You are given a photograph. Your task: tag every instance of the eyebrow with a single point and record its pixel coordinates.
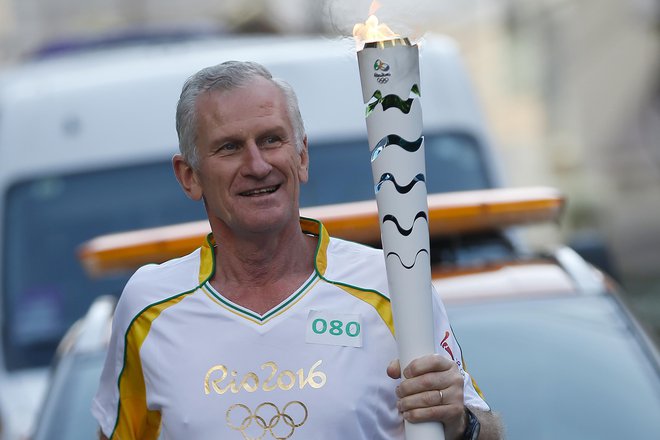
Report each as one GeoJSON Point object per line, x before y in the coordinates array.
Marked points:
{"type": "Point", "coordinates": [278, 129]}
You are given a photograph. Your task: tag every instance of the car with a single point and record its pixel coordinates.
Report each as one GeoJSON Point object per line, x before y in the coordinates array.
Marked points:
{"type": "Point", "coordinates": [547, 338]}
{"type": "Point", "coordinates": [561, 364]}
{"type": "Point", "coordinates": [86, 141]}
{"type": "Point", "coordinates": [75, 374]}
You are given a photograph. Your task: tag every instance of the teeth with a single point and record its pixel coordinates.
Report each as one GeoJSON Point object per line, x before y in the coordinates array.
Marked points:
{"type": "Point", "coordinates": [260, 191]}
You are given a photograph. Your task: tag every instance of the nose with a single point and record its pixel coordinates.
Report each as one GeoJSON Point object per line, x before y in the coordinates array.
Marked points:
{"type": "Point", "coordinates": [255, 163]}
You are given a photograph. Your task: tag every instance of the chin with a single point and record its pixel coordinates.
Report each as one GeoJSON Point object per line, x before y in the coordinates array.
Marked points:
{"type": "Point", "coordinates": [268, 222]}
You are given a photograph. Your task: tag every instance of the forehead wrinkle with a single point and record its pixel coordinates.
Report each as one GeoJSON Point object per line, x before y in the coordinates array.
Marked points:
{"type": "Point", "coordinates": [233, 122]}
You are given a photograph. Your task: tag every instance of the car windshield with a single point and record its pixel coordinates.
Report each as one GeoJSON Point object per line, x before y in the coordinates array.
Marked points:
{"type": "Point", "coordinates": [44, 287]}
{"type": "Point", "coordinates": [562, 368]}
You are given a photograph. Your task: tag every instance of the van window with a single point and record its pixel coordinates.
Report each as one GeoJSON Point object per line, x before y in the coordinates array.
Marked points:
{"type": "Point", "coordinates": [45, 289]}
{"type": "Point", "coordinates": [341, 172]}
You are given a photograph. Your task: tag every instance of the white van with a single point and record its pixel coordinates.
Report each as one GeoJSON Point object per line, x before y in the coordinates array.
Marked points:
{"type": "Point", "coordinates": [86, 140]}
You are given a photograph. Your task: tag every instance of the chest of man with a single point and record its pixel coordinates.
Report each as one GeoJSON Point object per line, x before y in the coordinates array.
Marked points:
{"type": "Point", "coordinates": [313, 367]}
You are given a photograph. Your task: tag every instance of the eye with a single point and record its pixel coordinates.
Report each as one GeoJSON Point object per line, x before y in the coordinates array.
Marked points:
{"type": "Point", "coordinates": [226, 148]}
{"type": "Point", "coordinates": [271, 141]}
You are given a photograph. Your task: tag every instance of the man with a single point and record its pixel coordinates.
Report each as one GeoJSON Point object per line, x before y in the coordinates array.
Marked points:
{"type": "Point", "coordinates": [272, 330]}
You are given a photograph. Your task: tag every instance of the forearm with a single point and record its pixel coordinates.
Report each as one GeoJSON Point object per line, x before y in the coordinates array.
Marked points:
{"type": "Point", "coordinates": [491, 425]}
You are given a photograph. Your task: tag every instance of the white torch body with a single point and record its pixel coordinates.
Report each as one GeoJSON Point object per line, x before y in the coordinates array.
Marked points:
{"type": "Point", "coordinates": [389, 72]}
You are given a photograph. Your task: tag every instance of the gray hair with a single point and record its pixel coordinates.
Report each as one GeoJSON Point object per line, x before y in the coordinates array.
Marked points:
{"type": "Point", "coordinates": [227, 76]}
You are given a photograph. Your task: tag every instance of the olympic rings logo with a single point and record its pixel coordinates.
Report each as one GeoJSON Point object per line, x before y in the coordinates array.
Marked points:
{"type": "Point", "coordinates": [267, 418]}
{"type": "Point", "coordinates": [383, 80]}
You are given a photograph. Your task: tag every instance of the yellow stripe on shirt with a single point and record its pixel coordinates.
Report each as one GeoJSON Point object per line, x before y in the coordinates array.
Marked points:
{"type": "Point", "coordinates": [377, 300]}
{"type": "Point", "coordinates": [131, 421]}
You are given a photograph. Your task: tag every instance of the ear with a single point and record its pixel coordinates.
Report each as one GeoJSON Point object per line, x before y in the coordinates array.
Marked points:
{"type": "Point", "coordinates": [187, 177]}
{"type": "Point", "coordinates": [303, 171]}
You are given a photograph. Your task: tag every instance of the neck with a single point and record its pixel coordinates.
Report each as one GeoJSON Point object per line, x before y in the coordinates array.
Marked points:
{"type": "Point", "coordinates": [258, 272]}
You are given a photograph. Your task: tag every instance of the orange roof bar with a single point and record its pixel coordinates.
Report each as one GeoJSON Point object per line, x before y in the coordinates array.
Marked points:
{"type": "Point", "coordinates": [449, 214]}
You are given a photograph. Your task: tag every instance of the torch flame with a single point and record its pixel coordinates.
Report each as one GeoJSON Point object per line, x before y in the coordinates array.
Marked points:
{"type": "Point", "coordinates": [371, 30]}
{"type": "Point", "coordinates": [373, 7]}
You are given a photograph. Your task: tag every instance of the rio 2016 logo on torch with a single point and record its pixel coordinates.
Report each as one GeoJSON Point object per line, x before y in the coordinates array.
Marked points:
{"type": "Point", "coordinates": [381, 73]}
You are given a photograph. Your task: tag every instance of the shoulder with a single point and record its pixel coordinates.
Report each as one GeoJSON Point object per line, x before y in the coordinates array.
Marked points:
{"type": "Point", "coordinates": [350, 249]}
{"type": "Point", "coordinates": [154, 283]}
{"type": "Point", "coordinates": [172, 274]}
{"type": "Point", "coordinates": [356, 264]}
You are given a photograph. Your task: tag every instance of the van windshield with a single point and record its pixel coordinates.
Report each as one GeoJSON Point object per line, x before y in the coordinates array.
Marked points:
{"type": "Point", "coordinates": [341, 172]}
{"type": "Point", "coordinates": [45, 289]}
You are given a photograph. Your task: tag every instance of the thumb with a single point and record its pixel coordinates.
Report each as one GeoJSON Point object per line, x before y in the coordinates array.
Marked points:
{"type": "Point", "coordinates": [394, 369]}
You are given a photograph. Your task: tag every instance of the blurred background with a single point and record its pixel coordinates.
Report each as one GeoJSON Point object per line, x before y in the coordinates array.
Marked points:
{"type": "Point", "coordinates": [570, 88]}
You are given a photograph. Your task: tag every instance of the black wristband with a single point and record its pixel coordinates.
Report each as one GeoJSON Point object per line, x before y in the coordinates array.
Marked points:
{"type": "Point", "coordinates": [472, 427]}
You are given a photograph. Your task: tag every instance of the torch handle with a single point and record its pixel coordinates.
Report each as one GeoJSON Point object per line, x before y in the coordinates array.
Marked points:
{"type": "Point", "coordinates": [403, 213]}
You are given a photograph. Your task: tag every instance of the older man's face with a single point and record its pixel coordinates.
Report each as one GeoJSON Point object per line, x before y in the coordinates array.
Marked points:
{"type": "Point", "coordinates": [249, 170]}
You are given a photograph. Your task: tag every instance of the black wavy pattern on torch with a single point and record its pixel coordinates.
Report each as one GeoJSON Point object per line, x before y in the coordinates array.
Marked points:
{"type": "Point", "coordinates": [392, 100]}
{"type": "Point", "coordinates": [401, 261]}
{"type": "Point", "coordinates": [388, 177]}
{"type": "Point", "coordinates": [393, 139]}
{"type": "Point", "coordinates": [403, 231]}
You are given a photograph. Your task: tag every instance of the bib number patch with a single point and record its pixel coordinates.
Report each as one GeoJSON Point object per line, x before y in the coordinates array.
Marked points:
{"type": "Point", "coordinates": [333, 328]}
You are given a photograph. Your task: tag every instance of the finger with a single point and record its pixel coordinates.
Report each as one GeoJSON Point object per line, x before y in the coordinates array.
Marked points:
{"type": "Point", "coordinates": [427, 364]}
{"type": "Point", "coordinates": [431, 398]}
{"type": "Point", "coordinates": [394, 369]}
{"type": "Point", "coordinates": [443, 413]}
{"type": "Point", "coordinates": [425, 399]}
{"type": "Point", "coordinates": [449, 379]}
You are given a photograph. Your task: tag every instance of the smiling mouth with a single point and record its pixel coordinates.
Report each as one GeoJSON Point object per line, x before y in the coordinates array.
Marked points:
{"type": "Point", "coordinates": [260, 191]}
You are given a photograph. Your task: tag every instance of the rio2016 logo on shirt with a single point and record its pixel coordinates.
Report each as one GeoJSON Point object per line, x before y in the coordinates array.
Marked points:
{"type": "Point", "coordinates": [267, 418]}
{"type": "Point", "coordinates": [275, 379]}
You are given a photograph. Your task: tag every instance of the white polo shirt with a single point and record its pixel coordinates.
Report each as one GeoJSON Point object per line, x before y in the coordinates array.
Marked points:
{"type": "Point", "coordinates": [186, 361]}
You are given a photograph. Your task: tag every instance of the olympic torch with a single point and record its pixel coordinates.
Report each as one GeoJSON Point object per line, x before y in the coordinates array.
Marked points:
{"type": "Point", "coordinates": [389, 73]}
